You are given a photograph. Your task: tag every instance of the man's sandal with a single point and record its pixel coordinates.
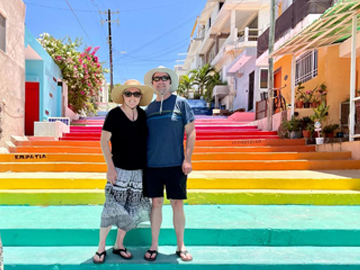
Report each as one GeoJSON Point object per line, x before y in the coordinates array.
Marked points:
{"type": "Point", "coordinates": [185, 253]}
{"type": "Point", "coordinates": [151, 258]}
{"type": "Point", "coordinates": [118, 252]}
{"type": "Point", "coordinates": [100, 255]}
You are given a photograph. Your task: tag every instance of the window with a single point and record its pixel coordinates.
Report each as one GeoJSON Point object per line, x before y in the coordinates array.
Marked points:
{"type": "Point", "coordinates": [2, 33]}
{"type": "Point", "coordinates": [263, 78]}
{"type": "Point", "coordinates": [306, 67]}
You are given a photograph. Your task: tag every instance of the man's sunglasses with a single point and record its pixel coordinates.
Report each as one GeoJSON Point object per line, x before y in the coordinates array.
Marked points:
{"type": "Point", "coordinates": [163, 78]}
{"type": "Point", "coordinates": [129, 94]}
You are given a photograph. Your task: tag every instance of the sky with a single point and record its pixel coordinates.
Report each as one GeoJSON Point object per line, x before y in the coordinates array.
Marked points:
{"type": "Point", "coordinates": [149, 34]}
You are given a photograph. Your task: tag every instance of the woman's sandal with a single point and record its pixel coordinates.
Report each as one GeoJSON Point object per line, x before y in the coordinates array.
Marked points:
{"type": "Point", "coordinates": [185, 253]}
{"type": "Point", "coordinates": [118, 252]}
{"type": "Point", "coordinates": [151, 252]}
{"type": "Point", "coordinates": [100, 254]}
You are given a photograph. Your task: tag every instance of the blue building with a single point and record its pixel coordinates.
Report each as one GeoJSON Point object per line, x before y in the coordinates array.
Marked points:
{"type": "Point", "coordinates": [44, 95]}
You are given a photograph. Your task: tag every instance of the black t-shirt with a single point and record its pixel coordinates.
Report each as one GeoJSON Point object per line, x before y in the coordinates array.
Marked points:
{"type": "Point", "coordinates": [128, 139]}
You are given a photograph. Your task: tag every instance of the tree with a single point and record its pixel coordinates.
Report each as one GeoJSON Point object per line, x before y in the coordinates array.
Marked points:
{"type": "Point", "coordinates": [82, 71]}
{"type": "Point", "coordinates": [202, 76]}
{"type": "Point", "coordinates": [185, 84]}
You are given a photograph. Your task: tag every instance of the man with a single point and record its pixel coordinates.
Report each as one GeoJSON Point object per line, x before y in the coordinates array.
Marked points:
{"type": "Point", "coordinates": [167, 118]}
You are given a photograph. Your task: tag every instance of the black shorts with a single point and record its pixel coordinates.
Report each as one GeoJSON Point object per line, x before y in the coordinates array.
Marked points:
{"type": "Point", "coordinates": [172, 178]}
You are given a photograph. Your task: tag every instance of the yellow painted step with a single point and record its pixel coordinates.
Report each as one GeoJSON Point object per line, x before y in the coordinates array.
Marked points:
{"type": "Point", "coordinates": [291, 180]}
{"type": "Point", "coordinates": [66, 157]}
{"type": "Point", "coordinates": [197, 165]}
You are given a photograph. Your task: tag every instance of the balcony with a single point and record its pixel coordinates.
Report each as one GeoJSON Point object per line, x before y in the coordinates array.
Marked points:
{"type": "Point", "coordinates": [294, 14]}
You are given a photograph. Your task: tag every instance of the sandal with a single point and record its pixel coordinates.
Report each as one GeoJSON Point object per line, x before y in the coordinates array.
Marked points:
{"type": "Point", "coordinates": [151, 252]}
{"type": "Point", "coordinates": [100, 254]}
{"type": "Point", "coordinates": [185, 253]}
{"type": "Point", "coordinates": [118, 252]}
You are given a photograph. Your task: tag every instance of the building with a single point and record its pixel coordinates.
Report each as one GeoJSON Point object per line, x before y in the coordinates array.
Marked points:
{"type": "Point", "coordinates": [226, 36]}
{"type": "Point", "coordinates": [12, 70]}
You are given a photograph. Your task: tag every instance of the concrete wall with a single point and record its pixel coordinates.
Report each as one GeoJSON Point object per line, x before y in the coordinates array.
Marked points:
{"type": "Point", "coordinates": [353, 147]}
{"type": "Point", "coordinates": [12, 71]}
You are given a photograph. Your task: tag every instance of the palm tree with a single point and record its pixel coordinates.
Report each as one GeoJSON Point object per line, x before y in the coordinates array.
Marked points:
{"type": "Point", "coordinates": [202, 76]}
{"type": "Point", "coordinates": [185, 84]}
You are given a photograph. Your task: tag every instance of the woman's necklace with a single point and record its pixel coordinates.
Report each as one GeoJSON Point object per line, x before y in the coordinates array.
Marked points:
{"type": "Point", "coordinates": [128, 114]}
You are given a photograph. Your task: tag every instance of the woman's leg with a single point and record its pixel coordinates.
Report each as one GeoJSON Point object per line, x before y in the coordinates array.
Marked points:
{"type": "Point", "coordinates": [102, 243]}
{"type": "Point", "coordinates": [119, 243]}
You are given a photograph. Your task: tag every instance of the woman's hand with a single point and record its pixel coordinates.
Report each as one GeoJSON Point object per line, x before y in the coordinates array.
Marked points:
{"type": "Point", "coordinates": [111, 175]}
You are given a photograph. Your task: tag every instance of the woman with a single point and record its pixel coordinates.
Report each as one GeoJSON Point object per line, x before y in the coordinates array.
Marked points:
{"type": "Point", "coordinates": [125, 126]}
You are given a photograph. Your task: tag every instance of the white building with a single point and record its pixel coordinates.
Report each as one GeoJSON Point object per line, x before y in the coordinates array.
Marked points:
{"type": "Point", "coordinates": [226, 37]}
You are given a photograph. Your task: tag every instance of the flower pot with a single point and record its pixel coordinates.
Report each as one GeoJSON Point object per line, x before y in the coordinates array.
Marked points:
{"type": "Point", "coordinates": [329, 135]}
{"type": "Point", "coordinates": [299, 104]}
{"type": "Point", "coordinates": [306, 134]}
{"type": "Point", "coordinates": [295, 134]}
{"type": "Point", "coordinates": [319, 140]}
{"type": "Point", "coordinates": [314, 104]}
{"type": "Point", "coordinates": [307, 104]}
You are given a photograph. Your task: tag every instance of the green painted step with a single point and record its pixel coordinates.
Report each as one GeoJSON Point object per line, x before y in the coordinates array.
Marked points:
{"type": "Point", "coordinates": [207, 225]}
{"type": "Point", "coordinates": [47, 197]}
{"type": "Point", "coordinates": [213, 258]}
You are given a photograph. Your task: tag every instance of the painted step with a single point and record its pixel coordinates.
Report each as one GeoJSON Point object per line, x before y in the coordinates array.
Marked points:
{"type": "Point", "coordinates": [37, 157]}
{"type": "Point", "coordinates": [290, 180]}
{"type": "Point", "coordinates": [261, 165]}
{"type": "Point", "coordinates": [260, 142]}
{"type": "Point", "coordinates": [195, 196]}
{"type": "Point", "coordinates": [198, 128]}
{"type": "Point", "coordinates": [213, 225]}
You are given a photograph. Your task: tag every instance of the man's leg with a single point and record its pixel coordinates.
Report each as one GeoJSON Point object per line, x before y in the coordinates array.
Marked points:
{"type": "Point", "coordinates": [179, 225]}
{"type": "Point", "coordinates": [155, 219]}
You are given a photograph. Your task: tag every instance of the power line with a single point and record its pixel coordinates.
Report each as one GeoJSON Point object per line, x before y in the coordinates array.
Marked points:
{"type": "Point", "coordinates": [79, 21]}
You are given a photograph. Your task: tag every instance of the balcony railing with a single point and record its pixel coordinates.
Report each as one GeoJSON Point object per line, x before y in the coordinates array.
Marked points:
{"type": "Point", "coordinates": [290, 18]}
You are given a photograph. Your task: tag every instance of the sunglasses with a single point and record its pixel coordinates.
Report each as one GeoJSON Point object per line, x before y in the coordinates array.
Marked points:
{"type": "Point", "coordinates": [163, 78]}
{"type": "Point", "coordinates": [129, 94]}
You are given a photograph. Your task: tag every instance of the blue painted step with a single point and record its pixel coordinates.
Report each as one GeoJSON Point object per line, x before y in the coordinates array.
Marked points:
{"type": "Point", "coordinates": [207, 225]}
{"type": "Point", "coordinates": [228, 258]}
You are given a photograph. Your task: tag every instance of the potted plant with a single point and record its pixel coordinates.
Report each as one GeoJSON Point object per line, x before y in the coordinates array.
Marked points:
{"type": "Point", "coordinates": [314, 102]}
{"type": "Point", "coordinates": [299, 96]}
{"type": "Point", "coordinates": [322, 92]}
{"type": "Point", "coordinates": [307, 126]}
{"type": "Point", "coordinates": [293, 126]}
{"type": "Point", "coordinates": [329, 130]}
{"type": "Point", "coordinates": [320, 113]}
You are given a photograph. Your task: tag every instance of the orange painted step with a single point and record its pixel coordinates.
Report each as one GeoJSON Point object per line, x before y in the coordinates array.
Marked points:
{"type": "Point", "coordinates": [197, 165]}
{"type": "Point", "coordinates": [36, 157]}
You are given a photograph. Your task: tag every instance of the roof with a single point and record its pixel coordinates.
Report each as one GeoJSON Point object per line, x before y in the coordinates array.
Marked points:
{"type": "Point", "coordinates": [334, 26]}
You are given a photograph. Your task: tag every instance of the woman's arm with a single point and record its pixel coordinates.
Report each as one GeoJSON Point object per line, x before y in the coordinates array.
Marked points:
{"type": "Point", "coordinates": [104, 142]}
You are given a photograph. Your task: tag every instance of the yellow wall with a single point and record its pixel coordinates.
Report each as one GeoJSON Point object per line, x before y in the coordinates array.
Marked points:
{"type": "Point", "coordinates": [333, 71]}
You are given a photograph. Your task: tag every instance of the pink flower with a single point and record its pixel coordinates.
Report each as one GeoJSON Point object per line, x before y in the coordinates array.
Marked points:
{"type": "Point", "coordinates": [58, 57]}
{"type": "Point", "coordinates": [88, 49]}
{"type": "Point", "coordinates": [82, 92]}
{"type": "Point", "coordinates": [308, 92]}
{"type": "Point", "coordinates": [75, 67]}
{"type": "Point", "coordinates": [98, 65]}
{"type": "Point", "coordinates": [96, 58]}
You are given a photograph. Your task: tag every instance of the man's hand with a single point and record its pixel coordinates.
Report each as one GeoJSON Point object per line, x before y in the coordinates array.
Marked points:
{"type": "Point", "coordinates": [111, 176]}
{"type": "Point", "coordinates": [186, 167]}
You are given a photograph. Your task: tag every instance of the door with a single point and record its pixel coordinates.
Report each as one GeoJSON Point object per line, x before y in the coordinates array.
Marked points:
{"type": "Point", "coordinates": [31, 106]}
{"type": "Point", "coordinates": [251, 91]}
{"type": "Point", "coordinates": [277, 78]}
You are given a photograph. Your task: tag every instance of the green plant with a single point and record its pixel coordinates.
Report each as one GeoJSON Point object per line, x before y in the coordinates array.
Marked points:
{"type": "Point", "coordinates": [293, 124]}
{"type": "Point", "coordinates": [307, 123]}
{"type": "Point", "coordinates": [202, 77]}
{"type": "Point", "coordinates": [185, 84]}
{"type": "Point", "coordinates": [330, 128]}
{"type": "Point", "coordinates": [320, 113]}
{"type": "Point", "coordinates": [299, 95]}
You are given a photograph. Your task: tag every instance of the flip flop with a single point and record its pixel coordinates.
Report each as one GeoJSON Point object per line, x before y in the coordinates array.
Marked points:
{"type": "Point", "coordinates": [185, 253]}
{"type": "Point", "coordinates": [100, 254]}
{"type": "Point", "coordinates": [151, 252]}
{"type": "Point", "coordinates": [118, 252]}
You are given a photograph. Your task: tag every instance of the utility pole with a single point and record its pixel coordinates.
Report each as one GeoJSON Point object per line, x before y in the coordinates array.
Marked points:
{"type": "Point", "coordinates": [109, 21]}
{"type": "Point", "coordinates": [270, 109]}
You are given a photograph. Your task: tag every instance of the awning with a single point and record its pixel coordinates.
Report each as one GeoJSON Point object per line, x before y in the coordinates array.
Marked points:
{"type": "Point", "coordinates": [334, 26]}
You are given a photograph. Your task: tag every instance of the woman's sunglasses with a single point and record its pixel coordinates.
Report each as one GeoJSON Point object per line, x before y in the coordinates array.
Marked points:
{"type": "Point", "coordinates": [163, 78]}
{"type": "Point", "coordinates": [129, 94]}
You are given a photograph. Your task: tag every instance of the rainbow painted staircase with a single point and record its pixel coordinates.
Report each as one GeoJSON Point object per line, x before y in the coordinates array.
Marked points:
{"type": "Point", "coordinates": [254, 202]}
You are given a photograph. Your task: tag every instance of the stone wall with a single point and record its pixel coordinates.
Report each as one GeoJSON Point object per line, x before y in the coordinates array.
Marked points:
{"type": "Point", "coordinates": [12, 71]}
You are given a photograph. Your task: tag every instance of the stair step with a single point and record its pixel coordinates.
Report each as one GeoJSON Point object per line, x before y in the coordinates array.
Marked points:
{"type": "Point", "coordinates": [81, 157]}
{"type": "Point", "coordinates": [195, 196]}
{"type": "Point", "coordinates": [227, 258]}
{"type": "Point", "coordinates": [295, 180]}
{"type": "Point", "coordinates": [207, 225]}
{"type": "Point", "coordinates": [197, 165]}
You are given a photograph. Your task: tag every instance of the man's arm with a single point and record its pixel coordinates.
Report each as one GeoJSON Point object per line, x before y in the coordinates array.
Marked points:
{"type": "Point", "coordinates": [104, 142]}
{"type": "Point", "coordinates": [190, 144]}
